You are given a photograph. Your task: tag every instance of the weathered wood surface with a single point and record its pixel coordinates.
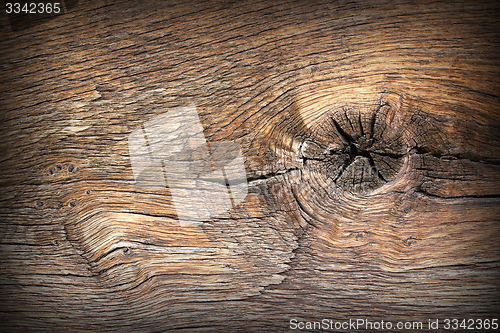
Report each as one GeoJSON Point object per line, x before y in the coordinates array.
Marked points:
{"type": "Point", "coordinates": [316, 93]}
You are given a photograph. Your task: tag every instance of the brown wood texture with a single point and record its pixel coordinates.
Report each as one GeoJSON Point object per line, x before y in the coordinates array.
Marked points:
{"type": "Point", "coordinates": [371, 137]}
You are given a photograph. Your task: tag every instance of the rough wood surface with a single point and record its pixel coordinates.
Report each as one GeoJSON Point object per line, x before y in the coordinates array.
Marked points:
{"type": "Point", "coordinates": [371, 137]}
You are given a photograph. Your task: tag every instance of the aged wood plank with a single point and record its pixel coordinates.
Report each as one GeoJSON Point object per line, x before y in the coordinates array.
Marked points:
{"type": "Point", "coordinates": [370, 133]}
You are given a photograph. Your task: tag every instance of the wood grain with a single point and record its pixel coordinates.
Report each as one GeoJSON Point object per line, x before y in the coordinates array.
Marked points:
{"type": "Point", "coordinates": [371, 137]}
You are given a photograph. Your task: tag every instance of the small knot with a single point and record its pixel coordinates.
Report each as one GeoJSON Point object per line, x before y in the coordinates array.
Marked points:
{"type": "Point", "coordinates": [410, 241]}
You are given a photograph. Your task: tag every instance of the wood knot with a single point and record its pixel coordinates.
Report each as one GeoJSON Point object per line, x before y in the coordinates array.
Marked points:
{"type": "Point", "coordinates": [359, 150]}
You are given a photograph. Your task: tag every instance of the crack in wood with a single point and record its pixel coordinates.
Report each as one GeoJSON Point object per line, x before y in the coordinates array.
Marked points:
{"type": "Point", "coordinates": [359, 150]}
{"type": "Point", "coordinates": [264, 176]}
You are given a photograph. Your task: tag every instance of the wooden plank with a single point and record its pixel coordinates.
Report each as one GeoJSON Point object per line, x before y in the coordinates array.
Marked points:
{"type": "Point", "coordinates": [370, 136]}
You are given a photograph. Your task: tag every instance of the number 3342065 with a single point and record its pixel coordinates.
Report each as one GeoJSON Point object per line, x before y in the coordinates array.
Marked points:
{"type": "Point", "coordinates": [33, 8]}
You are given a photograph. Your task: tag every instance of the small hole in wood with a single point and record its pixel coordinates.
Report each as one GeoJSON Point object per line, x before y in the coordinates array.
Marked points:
{"type": "Point", "coordinates": [410, 241]}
